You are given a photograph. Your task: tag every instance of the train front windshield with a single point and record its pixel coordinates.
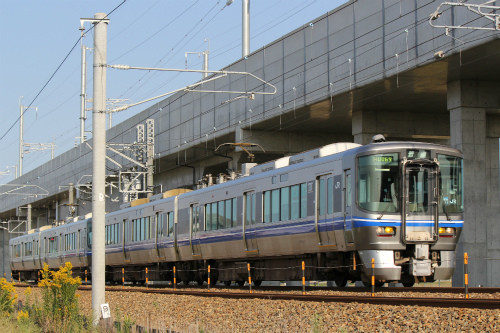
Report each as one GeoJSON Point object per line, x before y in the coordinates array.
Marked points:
{"type": "Point", "coordinates": [452, 199]}
{"type": "Point", "coordinates": [378, 183]}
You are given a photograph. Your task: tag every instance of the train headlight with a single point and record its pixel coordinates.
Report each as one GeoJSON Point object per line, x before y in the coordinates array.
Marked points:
{"type": "Point", "coordinates": [446, 232]}
{"type": "Point", "coordinates": [386, 231]}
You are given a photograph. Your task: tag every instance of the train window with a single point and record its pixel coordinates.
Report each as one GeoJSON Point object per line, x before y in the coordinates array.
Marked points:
{"type": "Point", "coordinates": [170, 223]}
{"type": "Point", "coordinates": [322, 197]}
{"type": "Point", "coordinates": [159, 223]}
{"type": "Point", "coordinates": [147, 232]}
{"type": "Point", "coordinates": [69, 242]}
{"type": "Point", "coordinates": [303, 200]}
{"type": "Point", "coordinates": [285, 203]}
{"type": "Point", "coordinates": [221, 216]}
{"type": "Point", "coordinates": [89, 235]}
{"type": "Point", "coordinates": [275, 205]}
{"type": "Point", "coordinates": [53, 244]}
{"type": "Point", "coordinates": [267, 206]}
{"type": "Point", "coordinates": [17, 250]}
{"type": "Point", "coordinates": [295, 202]}
{"type": "Point", "coordinates": [348, 191]}
{"type": "Point", "coordinates": [208, 217]}
{"type": "Point", "coordinates": [195, 218]}
{"type": "Point", "coordinates": [250, 206]}
{"type": "Point", "coordinates": [228, 216]}
{"type": "Point", "coordinates": [418, 191]}
{"type": "Point", "coordinates": [140, 230]}
{"type": "Point", "coordinates": [377, 182]}
{"type": "Point", "coordinates": [135, 230]}
{"type": "Point", "coordinates": [215, 216]}
{"type": "Point", "coordinates": [235, 213]}
{"type": "Point", "coordinates": [451, 181]}
{"type": "Point", "coordinates": [284, 177]}
{"type": "Point", "coordinates": [28, 252]}
{"type": "Point", "coordinates": [329, 195]}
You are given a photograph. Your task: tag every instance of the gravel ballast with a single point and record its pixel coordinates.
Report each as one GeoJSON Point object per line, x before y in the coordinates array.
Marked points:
{"type": "Point", "coordinates": [182, 313]}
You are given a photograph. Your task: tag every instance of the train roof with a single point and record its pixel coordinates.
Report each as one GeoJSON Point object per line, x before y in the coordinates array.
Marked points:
{"type": "Point", "coordinates": [399, 145]}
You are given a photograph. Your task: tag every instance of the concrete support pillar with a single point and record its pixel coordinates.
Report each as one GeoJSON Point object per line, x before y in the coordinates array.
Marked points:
{"type": "Point", "coordinates": [473, 107]}
{"type": "Point", "coordinates": [364, 126]}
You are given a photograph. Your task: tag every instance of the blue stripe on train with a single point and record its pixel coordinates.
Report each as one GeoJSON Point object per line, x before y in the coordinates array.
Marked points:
{"type": "Point", "coordinates": [276, 230]}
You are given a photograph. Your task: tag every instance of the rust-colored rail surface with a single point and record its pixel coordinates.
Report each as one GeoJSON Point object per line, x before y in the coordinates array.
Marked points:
{"type": "Point", "coordinates": [457, 302]}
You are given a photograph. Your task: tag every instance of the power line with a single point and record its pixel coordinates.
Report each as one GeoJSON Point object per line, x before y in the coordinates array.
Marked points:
{"type": "Point", "coordinates": [54, 73]}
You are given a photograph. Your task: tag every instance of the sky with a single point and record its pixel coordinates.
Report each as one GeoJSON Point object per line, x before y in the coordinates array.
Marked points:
{"type": "Point", "coordinates": [40, 58]}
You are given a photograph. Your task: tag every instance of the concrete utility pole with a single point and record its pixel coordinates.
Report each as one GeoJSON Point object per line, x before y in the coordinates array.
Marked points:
{"type": "Point", "coordinates": [21, 142]}
{"type": "Point", "coordinates": [246, 28]}
{"type": "Point", "coordinates": [83, 90]}
{"type": "Point", "coordinates": [99, 165]}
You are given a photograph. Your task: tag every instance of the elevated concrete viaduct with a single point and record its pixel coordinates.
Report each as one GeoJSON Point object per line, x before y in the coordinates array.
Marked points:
{"type": "Point", "coordinates": [367, 67]}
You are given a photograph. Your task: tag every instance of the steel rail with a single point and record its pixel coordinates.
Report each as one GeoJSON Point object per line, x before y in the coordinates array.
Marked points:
{"type": "Point", "coordinates": [470, 303]}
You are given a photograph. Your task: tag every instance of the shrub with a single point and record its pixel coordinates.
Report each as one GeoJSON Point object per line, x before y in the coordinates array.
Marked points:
{"type": "Point", "coordinates": [8, 297]}
{"type": "Point", "coordinates": [58, 311]}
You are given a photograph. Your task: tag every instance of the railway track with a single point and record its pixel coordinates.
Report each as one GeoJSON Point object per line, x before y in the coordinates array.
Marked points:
{"type": "Point", "coordinates": [447, 302]}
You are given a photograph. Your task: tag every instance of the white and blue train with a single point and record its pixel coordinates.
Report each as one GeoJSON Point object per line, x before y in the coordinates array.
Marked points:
{"type": "Point", "coordinates": [335, 207]}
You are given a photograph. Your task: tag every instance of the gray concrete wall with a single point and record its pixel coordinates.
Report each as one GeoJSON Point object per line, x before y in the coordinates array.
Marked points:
{"type": "Point", "coordinates": [474, 122]}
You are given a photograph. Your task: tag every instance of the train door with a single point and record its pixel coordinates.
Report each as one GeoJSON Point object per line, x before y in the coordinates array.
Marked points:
{"type": "Point", "coordinates": [22, 256]}
{"type": "Point", "coordinates": [195, 228]}
{"type": "Point", "coordinates": [125, 233]}
{"type": "Point", "coordinates": [62, 248]}
{"type": "Point", "coordinates": [159, 233]}
{"type": "Point", "coordinates": [347, 207]}
{"type": "Point", "coordinates": [325, 227]}
{"type": "Point", "coordinates": [174, 216]}
{"type": "Point", "coordinates": [421, 193]}
{"type": "Point", "coordinates": [45, 246]}
{"type": "Point", "coordinates": [78, 247]}
{"type": "Point", "coordinates": [249, 222]}
{"type": "Point", "coordinates": [38, 251]}
{"type": "Point", "coordinates": [33, 252]}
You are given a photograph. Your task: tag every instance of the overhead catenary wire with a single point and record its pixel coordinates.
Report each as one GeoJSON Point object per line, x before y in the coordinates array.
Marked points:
{"type": "Point", "coordinates": [358, 71]}
{"type": "Point", "coordinates": [140, 81]}
{"type": "Point", "coordinates": [54, 74]}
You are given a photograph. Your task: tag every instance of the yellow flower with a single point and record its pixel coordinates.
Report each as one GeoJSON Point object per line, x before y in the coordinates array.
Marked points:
{"type": "Point", "coordinates": [22, 315]}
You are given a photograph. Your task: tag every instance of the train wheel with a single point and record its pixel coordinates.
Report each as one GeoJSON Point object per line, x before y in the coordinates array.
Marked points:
{"type": "Point", "coordinates": [379, 284]}
{"type": "Point", "coordinates": [257, 283]}
{"type": "Point", "coordinates": [227, 283]}
{"type": "Point", "coordinates": [240, 283]}
{"type": "Point", "coordinates": [340, 280]}
{"type": "Point", "coordinates": [200, 282]}
{"type": "Point", "coordinates": [407, 280]}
